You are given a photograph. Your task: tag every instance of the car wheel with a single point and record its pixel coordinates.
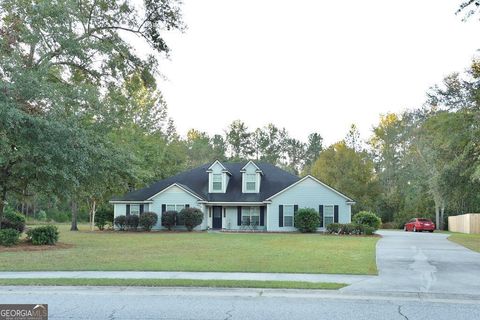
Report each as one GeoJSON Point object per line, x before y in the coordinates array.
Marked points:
{"type": "Point", "coordinates": [414, 229]}
{"type": "Point", "coordinates": [430, 230]}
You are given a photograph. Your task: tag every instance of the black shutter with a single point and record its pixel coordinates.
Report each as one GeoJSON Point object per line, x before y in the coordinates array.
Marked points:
{"type": "Point", "coordinates": [262, 216]}
{"type": "Point", "coordinates": [280, 215]}
{"type": "Point", "coordinates": [187, 206]}
{"type": "Point", "coordinates": [335, 214]}
{"type": "Point", "coordinates": [239, 216]}
{"type": "Point", "coordinates": [164, 208]}
{"type": "Point", "coordinates": [295, 209]}
{"type": "Point", "coordinates": [141, 208]}
{"type": "Point", "coordinates": [127, 212]}
{"type": "Point", "coordinates": [320, 215]}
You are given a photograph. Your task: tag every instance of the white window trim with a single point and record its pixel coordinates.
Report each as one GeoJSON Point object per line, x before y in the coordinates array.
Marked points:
{"type": "Point", "coordinates": [175, 205]}
{"type": "Point", "coordinates": [293, 215]}
{"type": "Point", "coordinates": [248, 179]}
{"type": "Point", "coordinates": [135, 212]}
{"type": "Point", "coordinates": [249, 214]}
{"type": "Point", "coordinates": [224, 182]}
{"type": "Point", "coordinates": [217, 175]}
{"type": "Point", "coordinates": [333, 213]}
{"type": "Point", "coordinates": [257, 182]}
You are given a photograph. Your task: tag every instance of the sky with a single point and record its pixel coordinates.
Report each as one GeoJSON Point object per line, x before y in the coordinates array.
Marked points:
{"type": "Point", "coordinates": [310, 66]}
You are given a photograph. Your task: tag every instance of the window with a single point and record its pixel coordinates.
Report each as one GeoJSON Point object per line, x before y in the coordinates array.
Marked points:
{"type": "Point", "coordinates": [178, 208]}
{"type": "Point", "coordinates": [250, 182]}
{"type": "Point", "coordinates": [251, 215]}
{"type": "Point", "coordinates": [135, 209]}
{"type": "Point", "coordinates": [175, 207]}
{"type": "Point", "coordinates": [217, 182]}
{"type": "Point", "coordinates": [328, 215]}
{"type": "Point", "coordinates": [288, 212]}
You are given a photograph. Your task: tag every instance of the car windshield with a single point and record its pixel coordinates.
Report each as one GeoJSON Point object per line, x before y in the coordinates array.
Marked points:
{"type": "Point", "coordinates": [424, 220]}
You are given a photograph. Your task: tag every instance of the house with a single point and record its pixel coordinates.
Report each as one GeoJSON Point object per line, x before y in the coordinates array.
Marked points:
{"type": "Point", "coordinates": [233, 196]}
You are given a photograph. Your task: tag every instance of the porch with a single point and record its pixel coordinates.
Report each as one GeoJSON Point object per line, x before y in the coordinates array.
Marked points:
{"type": "Point", "coordinates": [250, 217]}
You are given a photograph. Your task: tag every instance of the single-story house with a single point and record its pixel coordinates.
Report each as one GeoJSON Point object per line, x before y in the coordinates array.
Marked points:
{"type": "Point", "coordinates": [234, 196]}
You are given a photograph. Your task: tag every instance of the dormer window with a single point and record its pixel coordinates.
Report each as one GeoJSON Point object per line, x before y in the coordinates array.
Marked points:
{"type": "Point", "coordinates": [251, 178]}
{"type": "Point", "coordinates": [218, 178]}
{"type": "Point", "coordinates": [217, 182]}
{"type": "Point", "coordinates": [251, 182]}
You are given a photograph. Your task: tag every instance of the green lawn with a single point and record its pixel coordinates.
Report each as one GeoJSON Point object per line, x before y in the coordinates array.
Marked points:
{"type": "Point", "coordinates": [162, 251]}
{"type": "Point", "coordinates": [471, 241]}
{"type": "Point", "coordinates": [172, 283]}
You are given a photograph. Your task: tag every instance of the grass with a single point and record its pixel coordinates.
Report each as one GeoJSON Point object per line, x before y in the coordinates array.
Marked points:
{"type": "Point", "coordinates": [471, 241]}
{"type": "Point", "coordinates": [173, 283]}
{"type": "Point", "coordinates": [163, 251]}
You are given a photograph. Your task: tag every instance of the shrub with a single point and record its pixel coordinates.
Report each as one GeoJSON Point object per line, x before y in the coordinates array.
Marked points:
{"type": "Point", "coordinates": [334, 228]}
{"type": "Point", "coordinates": [147, 220]}
{"type": "Point", "coordinates": [368, 218]}
{"type": "Point", "coordinates": [368, 230]}
{"type": "Point", "coordinates": [352, 229]}
{"type": "Point", "coordinates": [131, 222]}
{"type": "Point", "coordinates": [306, 220]}
{"type": "Point", "coordinates": [102, 217]}
{"type": "Point", "coordinates": [42, 215]}
{"type": "Point", "coordinates": [9, 237]}
{"type": "Point", "coordinates": [168, 219]}
{"type": "Point", "coordinates": [192, 217]}
{"type": "Point", "coordinates": [13, 220]}
{"type": "Point", "coordinates": [387, 225]}
{"type": "Point", "coordinates": [120, 222]}
{"type": "Point", "coordinates": [43, 235]}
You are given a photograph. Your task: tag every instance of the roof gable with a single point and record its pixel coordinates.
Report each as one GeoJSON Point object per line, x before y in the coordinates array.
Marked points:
{"type": "Point", "coordinates": [217, 163]}
{"type": "Point", "coordinates": [178, 185]}
{"type": "Point", "coordinates": [317, 181]}
{"type": "Point", "coordinates": [251, 163]}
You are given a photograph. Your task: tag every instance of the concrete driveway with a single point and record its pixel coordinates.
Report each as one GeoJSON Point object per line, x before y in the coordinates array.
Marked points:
{"type": "Point", "coordinates": [422, 262]}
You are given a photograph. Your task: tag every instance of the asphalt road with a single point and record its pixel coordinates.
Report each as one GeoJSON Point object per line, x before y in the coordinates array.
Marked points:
{"type": "Point", "coordinates": [162, 303]}
{"type": "Point", "coordinates": [422, 262]}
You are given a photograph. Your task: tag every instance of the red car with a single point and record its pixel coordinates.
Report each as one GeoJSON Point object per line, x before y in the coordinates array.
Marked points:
{"type": "Point", "coordinates": [419, 224]}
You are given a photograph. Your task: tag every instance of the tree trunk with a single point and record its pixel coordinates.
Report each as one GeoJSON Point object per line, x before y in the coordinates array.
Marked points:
{"type": "Point", "coordinates": [3, 200]}
{"type": "Point", "coordinates": [94, 209]}
{"type": "Point", "coordinates": [437, 216]}
{"type": "Point", "coordinates": [442, 213]}
{"type": "Point", "coordinates": [74, 216]}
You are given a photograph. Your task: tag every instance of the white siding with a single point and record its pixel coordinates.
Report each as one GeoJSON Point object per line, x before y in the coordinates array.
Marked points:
{"type": "Point", "coordinates": [176, 195]}
{"type": "Point", "coordinates": [217, 168]}
{"type": "Point", "coordinates": [119, 209]}
{"type": "Point", "coordinates": [307, 194]}
{"type": "Point", "coordinates": [251, 169]}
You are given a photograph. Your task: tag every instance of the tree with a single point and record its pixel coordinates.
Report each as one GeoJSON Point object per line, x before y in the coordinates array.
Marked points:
{"type": "Point", "coordinates": [352, 140]}
{"type": "Point", "coordinates": [65, 68]}
{"type": "Point", "coordinates": [219, 147]}
{"type": "Point", "coordinates": [199, 149]}
{"type": "Point", "coordinates": [295, 153]}
{"type": "Point", "coordinates": [388, 150]}
{"type": "Point", "coordinates": [269, 142]}
{"type": "Point", "coordinates": [313, 149]}
{"type": "Point", "coordinates": [239, 140]}
{"type": "Point", "coordinates": [351, 172]}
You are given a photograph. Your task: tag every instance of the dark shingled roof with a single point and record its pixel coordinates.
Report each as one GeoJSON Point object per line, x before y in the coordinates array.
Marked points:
{"type": "Point", "coordinates": [273, 180]}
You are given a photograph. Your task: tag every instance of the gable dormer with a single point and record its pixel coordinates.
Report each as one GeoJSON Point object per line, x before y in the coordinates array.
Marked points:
{"type": "Point", "coordinates": [251, 178]}
{"type": "Point", "coordinates": [218, 177]}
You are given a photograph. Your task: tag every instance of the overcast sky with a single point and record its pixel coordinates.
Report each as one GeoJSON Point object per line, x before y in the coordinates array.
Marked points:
{"type": "Point", "coordinates": [310, 66]}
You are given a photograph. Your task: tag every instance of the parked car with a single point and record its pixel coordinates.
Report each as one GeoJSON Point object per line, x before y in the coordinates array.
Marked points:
{"type": "Point", "coordinates": [419, 224]}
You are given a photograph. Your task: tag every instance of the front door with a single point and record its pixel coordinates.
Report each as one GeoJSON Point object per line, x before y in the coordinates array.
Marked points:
{"type": "Point", "coordinates": [217, 218]}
